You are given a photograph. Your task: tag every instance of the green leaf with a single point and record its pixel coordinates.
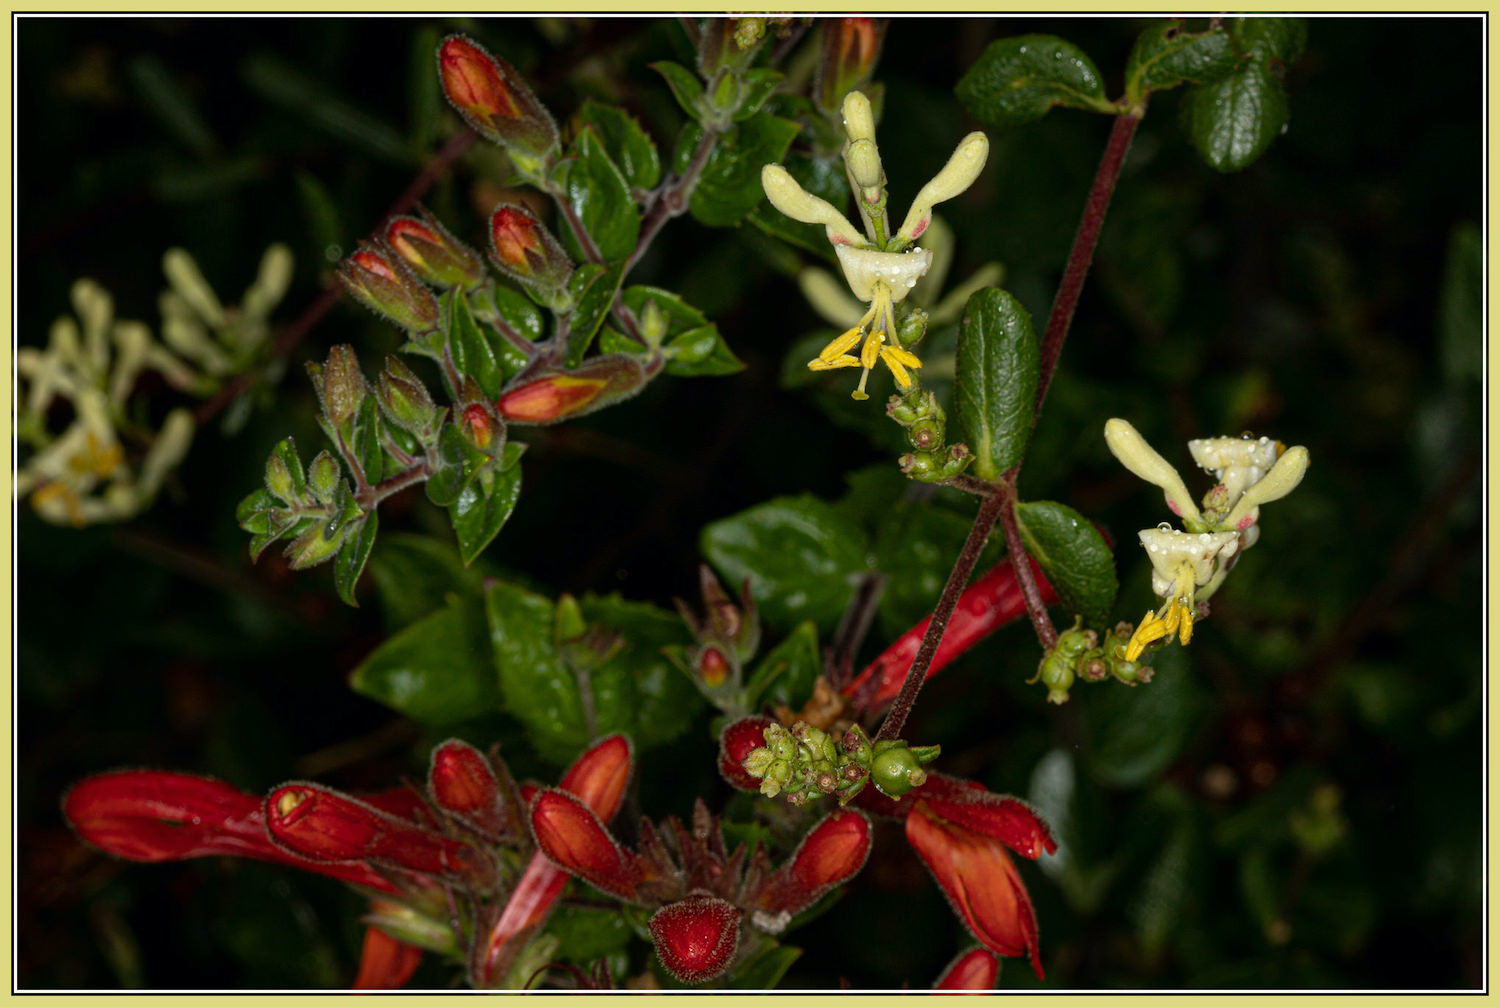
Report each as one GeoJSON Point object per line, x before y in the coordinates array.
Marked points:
{"type": "Point", "coordinates": [995, 387]}
{"type": "Point", "coordinates": [787, 673]}
{"type": "Point", "coordinates": [485, 503]}
{"type": "Point", "coordinates": [586, 934]}
{"type": "Point", "coordinates": [1270, 38]}
{"type": "Point", "coordinates": [601, 198]}
{"type": "Point", "coordinates": [1136, 733]}
{"type": "Point", "coordinates": [1232, 121]}
{"type": "Point", "coordinates": [437, 670]}
{"type": "Point", "coordinates": [262, 515]}
{"type": "Point", "coordinates": [625, 141]}
{"type": "Point", "coordinates": [764, 970]}
{"type": "Point", "coordinates": [701, 352]}
{"type": "Point", "coordinates": [801, 555]}
{"type": "Point", "coordinates": [1074, 557]}
{"type": "Point", "coordinates": [664, 702]}
{"type": "Point", "coordinates": [472, 352]}
{"type": "Point", "coordinates": [1019, 79]}
{"type": "Point", "coordinates": [729, 187]}
{"type": "Point", "coordinates": [757, 87]}
{"type": "Point", "coordinates": [1166, 56]}
{"type": "Point", "coordinates": [514, 308]}
{"type": "Point", "coordinates": [915, 548]}
{"type": "Point", "coordinates": [416, 574]}
{"type": "Point", "coordinates": [352, 556]}
{"type": "Point", "coordinates": [594, 292]}
{"type": "Point", "coordinates": [685, 86]}
{"type": "Point", "coordinates": [823, 177]}
{"type": "Point", "coordinates": [365, 443]}
{"type": "Point", "coordinates": [286, 451]}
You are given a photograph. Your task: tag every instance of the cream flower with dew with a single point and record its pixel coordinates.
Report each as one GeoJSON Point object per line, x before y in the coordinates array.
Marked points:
{"type": "Point", "coordinates": [879, 268]}
{"type": "Point", "coordinates": [1181, 562]}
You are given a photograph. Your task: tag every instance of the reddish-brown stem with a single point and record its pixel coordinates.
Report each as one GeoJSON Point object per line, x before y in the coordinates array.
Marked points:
{"type": "Point", "coordinates": [371, 496]}
{"type": "Point", "coordinates": [958, 578]}
{"type": "Point", "coordinates": [1036, 608]}
{"type": "Point", "coordinates": [1082, 253]}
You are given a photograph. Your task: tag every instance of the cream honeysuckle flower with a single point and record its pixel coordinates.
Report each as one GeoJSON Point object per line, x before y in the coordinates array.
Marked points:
{"type": "Point", "coordinates": [1181, 562]}
{"type": "Point", "coordinates": [880, 268]}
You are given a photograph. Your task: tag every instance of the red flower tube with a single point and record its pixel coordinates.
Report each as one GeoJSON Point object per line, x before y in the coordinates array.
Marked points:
{"type": "Point", "coordinates": [493, 98]}
{"type": "Point", "coordinates": [973, 971]}
{"type": "Point", "coordinates": [384, 962]}
{"type": "Point", "coordinates": [323, 824]}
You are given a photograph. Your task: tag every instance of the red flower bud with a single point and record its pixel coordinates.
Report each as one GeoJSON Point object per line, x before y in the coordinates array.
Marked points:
{"type": "Point", "coordinates": [574, 839]}
{"type": "Point", "coordinates": [830, 854]}
{"type": "Point", "coordinates": [493, 98]}
{"type": "Point", "coordinates": [696, 937]}
{"type": "Point", "coordinates": [526, 250]}
{"type": "Point", "coordinates": [850, 47]}
{"type": "Point", "coordinates": [432, 253]}
{"type": "Point", "coordinates": [385, 963]}
{"type": "Point", "coordinates": [323, 824]}
{"type": "Point", "coordinates": [599, 776]}
{"type": "Point", "coordinates": [463, 784]}
{"type": "Point", "coordinates": [151, 816]}
{"type": "Point", "coordinates": [738, 740]}
{"type": "Point", "coordinates": [980, 882]}
{"type": "Point", "coordinates": [379, 282]}
{"type": "Point", "coordinates": [477, 425]}
{"type": "Point", "coordinates": [557, 396]}
{"type": "Point", "coordinates": [976, 969]}
{"type": "Point", "coordinates": [712, 667]}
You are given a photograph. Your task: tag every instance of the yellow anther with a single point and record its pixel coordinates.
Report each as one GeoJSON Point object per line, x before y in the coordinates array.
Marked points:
{"type": "Point", "coordinates": [888, 354]}
{"type": "Point", "coordinates": [1148, 632]}
{"type": "Point", "coordinates": [871, 350]}
{"type": "Point", "coordinates": [843, 344]}
{"type": "Point", "coordinates": [834, 364]}
{"type": "Point", "coordinates": [902, 356]}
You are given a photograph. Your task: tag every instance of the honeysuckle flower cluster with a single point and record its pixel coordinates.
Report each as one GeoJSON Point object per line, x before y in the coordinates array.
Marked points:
{"type": "Point", "coordinates": [1188, 566]}
{"type": "Point", "coordinates": [84, 475]}
{"type": "Point", "coordinates": [880, 267]}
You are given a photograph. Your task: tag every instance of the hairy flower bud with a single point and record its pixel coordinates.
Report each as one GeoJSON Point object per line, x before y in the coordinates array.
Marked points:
{"type": "Point", "coordinates": [976, 969]}
{"type": "Point", "coordinates": [522, 248]}
{"type": "Point", "coordinates": [339, 384]}
{"type": "Point", "coordinates": [696, 937]}
{"type": "Point", "coordinates": [832, 852]}
{"type": "Point", "coordinates": [849, 49]}
{"type": "Point", "coordinates": [551, 398]}
{"type": "Point", "coordinates": [736, 742]}
{"type": "Point", "coordinates": [381, 283]}
{"type": "Point", "coordinates": [404, 400]}
{"type": "Point", "coordinates": [462, 783]}
{"type": "Point", "coordinates": [434, 254]}
{"type": "Point", "coordinates": [493, 98]}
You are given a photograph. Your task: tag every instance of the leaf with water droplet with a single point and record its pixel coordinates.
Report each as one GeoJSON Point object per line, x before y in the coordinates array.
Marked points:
{"type": "Point", "coordinates": [1073, 555]}
{"type": "Point", "coordinates": [1020, 79]}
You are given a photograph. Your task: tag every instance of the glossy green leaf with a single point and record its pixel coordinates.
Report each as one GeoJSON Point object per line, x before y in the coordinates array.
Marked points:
{"type": "Point", "coordinates": [1165, 56]}
{"type": "Point", "coordinates": [1232, 121]}
{"type": "Point", "coordinates": [680, 315]}
{"type": "Point", "coordinates": [664, 702]}
{"type": "Point", "coordinates": [594, 289]}
{"type": "Point", "coordinates": [1136, 733]}
{"type": "Point", "coordinates": [417, 574]}
{"type": "Point", "coordinates": [995, 387]}
{"type": "Point", "coordinates": [624, 141]}
{"type": "Point", "coordinates": [365, 443]}
{"type": "Point", "coordinates": [262, 515]}
{"type": "Point", "coordinates": [701, 352]}
{"type": "Point", "coordinates": [1074, 556]}
{"type": "Point", "coordinates": [685, 86]}
{"type": "Point", "coordinates": [437, 670]}
{"type": "Point", "coordinates": [601, 198]}
{"type": "Point", "coordinates": [763, 970]}
{"type": "Point", "coordinates": [352, 556]}
{"type": "Point", "coordinates": [729, 187]}
{"type": "Point", "coordinates": [472, 353]}
{"type": "Point", "coordinates": [786, 674]}
{"type": "Point", "coordinates": [915, 548]}
{"type": "Point", "coordinates": [514, 308]}
{"type": "Point", "coordinates": [485, 503]}
{"type": "Point", "coordinates": [801, 556]}
{"type": "Point", "coordinates": [1270, 38]}
{"type": "Point", "coordinates": [756, 88]}
{"type": "Point", "coordinates": [1016, 80]}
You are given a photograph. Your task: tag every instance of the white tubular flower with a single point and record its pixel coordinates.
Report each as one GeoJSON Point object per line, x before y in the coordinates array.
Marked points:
{"type": "Point", "coordinates": [95, 309]}
{"type": "Point", "coordinates": [859, 118]}
{"type": "Point", "coordinates": [1181, 562]}
{"type": "Point", "coordinates": [131, 342]}
{"type": "Point", "coordinates": [1284, 477]}
{"type": "Point", "coordinates": [1237, 462]}
{"type": "Point", "coordinates": [1127, 444]}
{"type": "Point", "coordinates": [799, 204]}
{"type": "Point", "coordinates": [957, 175]}
{"type": "Point", "coordinates": [864, 268]}
{"type": "Point", "coordinates": [271, 282]}
{"type": "Point", "coordinates": [167, 452]}
{"type": "Point", "coordinates": [185, 277]}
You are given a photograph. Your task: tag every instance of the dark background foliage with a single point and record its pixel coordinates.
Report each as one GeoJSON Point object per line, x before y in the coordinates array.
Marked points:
{"type": "Point", "coordinates": [1297, 804]}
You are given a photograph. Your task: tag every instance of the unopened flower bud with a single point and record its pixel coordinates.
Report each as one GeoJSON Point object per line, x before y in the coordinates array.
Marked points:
{"type": "Point", "coordinates": [434, 254]}
{"type": "Point", "coordinates": [712, 667]}
{"type": "Point", "coordinates": [1127, 445]}
{"type": "Point", "coordinates": [653, 323]}
{"type": "Point", "coordinates": [550, 398]}
{"type": "Point", "coordinates": [339, 384]}
{"type": "Point", "coordinates": [323, 477]}
{"type": "Point", "coordinates": [859, 118]}
{"type": "Point", "coordinates": [849, 48]}
{"type": "Point", "coordinates": [279, 479]}
{"type": "Point", "coordinates": [729, 42]}
{"type": "Point", "coordinates": [493, 98]}
{"type": "Point", "coordinates": [462, 782]}
{"type": "Point", "coordinates": [404, 400]}
{"type": "Point", "coordinates": [478, 425]}
{"type": "Point", "coordinates": [799, 204]}
{"type": "Point", "coordinates": [957, 175]}
{"type": "Point", "coordinates": [526, 250]}
{"type": "Point", "coordinates": [696, 937]}
{"type": "Point", "coordinates": [737, 742]}
{"type": "Point", "coordinates": [864, 165]}
{"type": "Point", "coordinates": [382, 284]}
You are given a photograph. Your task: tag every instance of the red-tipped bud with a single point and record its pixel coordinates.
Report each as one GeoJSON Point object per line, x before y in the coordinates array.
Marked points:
{"type": "Point", "coordinates": [493, 98]}
{"type": "Point", "coordinates": [976, 969]}
{"type": "Point", "coordinates": [478, 427]}
{"type": "Point", "coordinates": [738, 740]}
{"type": "Point", "coordinates": [713, 668]}
{"type": "Point", "coordinates": [574, 839]}
{"type": "Point", "coordinates": [599, 776]}
{"type": "Point", "coordinates": [385, 963]}
{"type": "Point", "coordinates": [980, 882]}
{"type": "Point", "coordinates": [151, 816]}
{"type": "Point", "coordinates": [696, 937]}
{"type": "Point", "coordinates": [526, 250]}
{"type": "Point", "coordinates": [322, 824]}
{"type": "Point", "coordinates": [378, 281]}
{"type": "Point", "coordinates": [463, 784]}
{"type": "Point", "coordinates": [832, 853]}
{"type": "Point", "coordinates": [551, 398]}
{"type": "Point", "coordinates": [850, 48]}
{"type": "Point", "coordinates": [434, 254]}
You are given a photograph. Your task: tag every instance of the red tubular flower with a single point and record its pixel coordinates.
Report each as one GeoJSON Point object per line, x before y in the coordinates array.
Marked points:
{"type": "Point", "coordinates": [574, 839]}
{"type": "Point", "coordinates": [432, 253]}
{"type": "Point", "coordinates": [563, 395]}
{"type": "Point", "coordinates": [493, 98]}
{"type": "Point", "coordinates": [598, 778]}
{"type": "Point", "coordinates": [385, 963]}
{"type": "Point", "coordinates": [154, 816]}
{"type": "Point", "coordinates": [974, 970]}
{"type": "Point", "coordinates": [830, 854]}
{"type": "Point", "coordinates": [463, 784]}
{"type": "Point", "coordinates": [985, 605]}
{"type": "Point", "coordinates": [382, 284]}
{"type": "Point", "coordinates": [696, 937]}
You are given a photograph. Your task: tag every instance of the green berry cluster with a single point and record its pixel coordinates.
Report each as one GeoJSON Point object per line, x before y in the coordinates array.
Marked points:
{"type": "Point", "coordinates": [804, 762]}
{"type": "Point", "coordinates": [930, 461]}
{"type": "Point", "coordinates": [1079, 653]}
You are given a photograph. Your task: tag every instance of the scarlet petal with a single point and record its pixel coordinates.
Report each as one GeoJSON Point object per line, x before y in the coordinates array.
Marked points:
{"type": "Point", "coordinates": [385, 963]}
{"type": "Point", "coordinates": [472, 80]}
{"type": "Point", "coordinates": [830, 854]}
{"type": "Point", "coordinates": [549, 399]}
{"type": "Point", "coordinates": [599, 776]}
{"type": "Point", "coordinates": [738, 740]}
{"type": "Point", "coordinates": [463, 783]}
{"type": "Point", "coordinates": [574, 839]}
{"type": "Point", "coordinates": [973, 970]}
{"type": "Point", "coordinates": [324, 824]}
{"type": "Point", "coordinates": [1004, 818]}
{"type": "Point", "coordinates": [696, 937]}
{"type": "Point", "coordinates": [377, 264]}
{"type": "Point", "coordinates": [405, 802]}
{"type": "Point", "coordinates": [528, 906]}
{"type": "Point", "coordinates": [981, 883]}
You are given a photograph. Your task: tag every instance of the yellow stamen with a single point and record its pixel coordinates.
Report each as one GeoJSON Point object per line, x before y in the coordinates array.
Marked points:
{"type": "Point", "coordinates": [1185, 628]}
{"type": "Point", "coordinates": [871, 350]}
{"type": "Point", "coordinates": [59, 491]}
{"type": "Point", "coordinates": [834, 364]}
{"type": "Point", "coordinates": [1148, 632]}
{"type": "Point", "coordinates": [906, 357]}
{"type": "Point", "coordinates": [838, 347]}
{"type": "Point", "coordinates": [859, 394]}
{"type": "Point", "coordinates": [897, 371]}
